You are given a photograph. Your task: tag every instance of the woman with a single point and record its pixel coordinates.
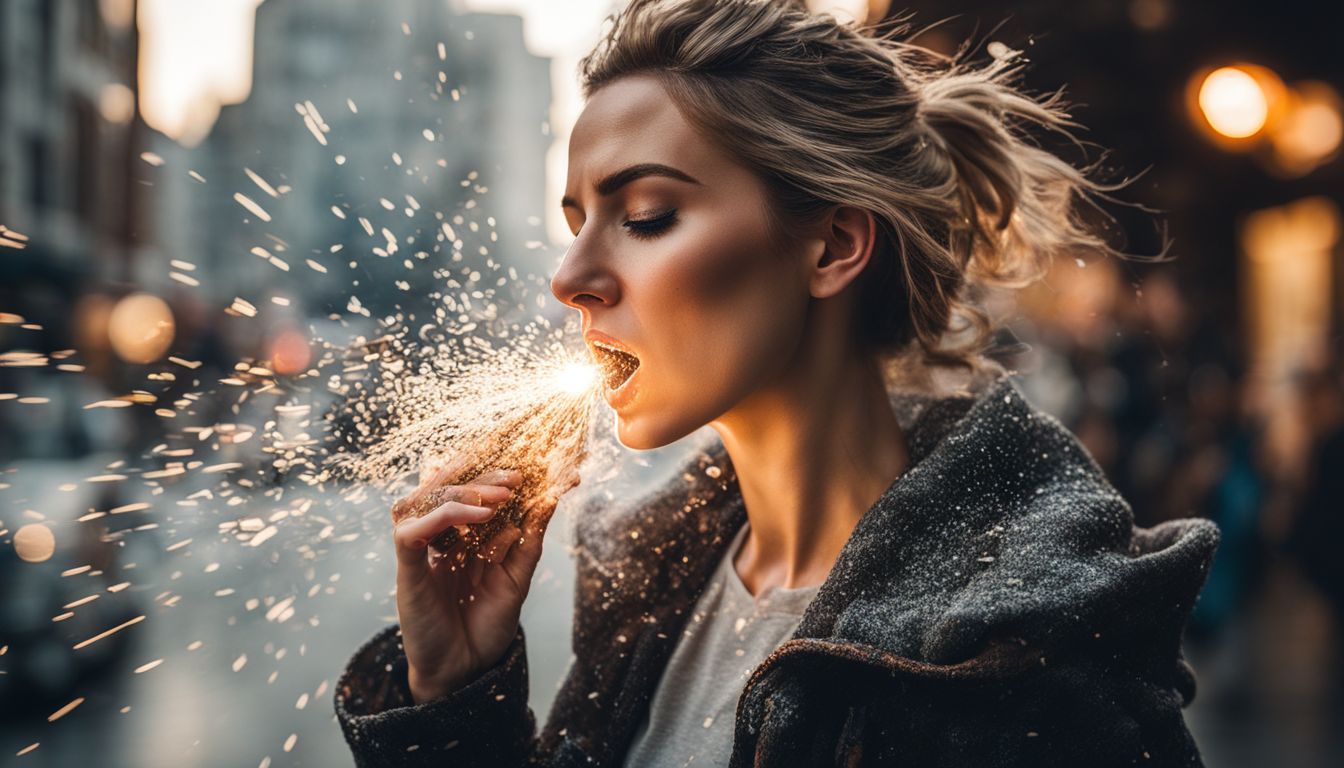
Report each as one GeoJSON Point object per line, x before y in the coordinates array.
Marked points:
{"type": "Point", "coordinates": [769, 208]}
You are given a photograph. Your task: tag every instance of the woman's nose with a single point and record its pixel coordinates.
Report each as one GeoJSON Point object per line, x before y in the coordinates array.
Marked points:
{"type": "Point", "coordinates": [580, 282]}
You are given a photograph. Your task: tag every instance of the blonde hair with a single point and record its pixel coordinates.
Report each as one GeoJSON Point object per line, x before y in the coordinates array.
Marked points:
{"type": "Point", "coordinates": [827, 114]}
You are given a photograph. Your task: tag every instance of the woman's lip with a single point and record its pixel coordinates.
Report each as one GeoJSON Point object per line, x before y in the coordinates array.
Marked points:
{"type": "Point", "coordinates": [611, 341]}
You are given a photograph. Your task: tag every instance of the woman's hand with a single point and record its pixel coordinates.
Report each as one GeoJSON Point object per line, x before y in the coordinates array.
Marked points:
{"type": "Point", "coordinates": [457, 621]}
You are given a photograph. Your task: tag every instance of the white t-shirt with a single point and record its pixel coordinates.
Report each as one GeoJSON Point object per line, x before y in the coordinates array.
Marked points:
{"type": "Point", "coordinates": [691, 717]}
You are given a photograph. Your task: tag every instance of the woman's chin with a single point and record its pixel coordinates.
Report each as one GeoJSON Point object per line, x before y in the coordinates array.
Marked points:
{"type": "Point", "coordinates": [632, 436]}
{"type": "Point", "coordinates": [640, 435]}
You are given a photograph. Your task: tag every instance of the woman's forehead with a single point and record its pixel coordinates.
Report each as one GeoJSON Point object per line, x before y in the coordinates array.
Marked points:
{"type": "Point", "coordinates": [632, 120]}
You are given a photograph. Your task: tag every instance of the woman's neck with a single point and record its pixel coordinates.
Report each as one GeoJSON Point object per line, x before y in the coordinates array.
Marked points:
{"type": "Point", "coordinates": [812, 452]}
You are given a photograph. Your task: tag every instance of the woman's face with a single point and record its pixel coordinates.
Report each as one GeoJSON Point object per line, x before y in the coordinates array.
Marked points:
{"type": "Point", "coordinates": [673, 263]}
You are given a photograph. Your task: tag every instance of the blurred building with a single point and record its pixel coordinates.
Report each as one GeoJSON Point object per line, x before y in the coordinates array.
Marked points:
{"type": "Point", "coordinates": [67, 130]}
{"type": "Point", "coordinates": [68, 136]}
{"type": "Point", "coordinates": [379, 140]}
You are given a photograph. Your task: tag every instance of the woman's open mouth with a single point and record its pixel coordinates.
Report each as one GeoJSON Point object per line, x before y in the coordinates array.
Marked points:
{"type": "Point", "coordinates": [617, 364]}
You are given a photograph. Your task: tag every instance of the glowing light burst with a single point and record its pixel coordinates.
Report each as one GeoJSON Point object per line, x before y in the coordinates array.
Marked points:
{"type": "Point", "coordinates": [576, 378]}
{"type": "Point", "coordinates": [455, 411]}
{"type": "Point", "coordinates": [428, 403]}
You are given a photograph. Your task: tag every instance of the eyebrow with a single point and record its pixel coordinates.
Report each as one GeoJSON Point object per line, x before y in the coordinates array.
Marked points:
{"type": "Point", "coordinates": [620, 178]}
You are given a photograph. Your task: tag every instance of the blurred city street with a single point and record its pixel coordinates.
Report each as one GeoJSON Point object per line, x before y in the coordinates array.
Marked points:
{"type": "Point", "coordinates": [237, 680]}
{"type": "Point", "coordinates": [241, 239]}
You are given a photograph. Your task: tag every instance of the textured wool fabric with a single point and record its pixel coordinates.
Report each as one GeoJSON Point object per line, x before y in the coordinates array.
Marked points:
{"type": "Point", "coordinates": [995, 607]}
{"type": "Point", "coordinates": [690, 720]}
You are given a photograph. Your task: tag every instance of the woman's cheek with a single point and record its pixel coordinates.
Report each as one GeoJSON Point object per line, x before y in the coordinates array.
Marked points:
{"type": "Point", "coordinates": [726, 329]}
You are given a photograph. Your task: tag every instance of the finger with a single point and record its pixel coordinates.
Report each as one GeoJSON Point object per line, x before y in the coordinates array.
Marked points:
{"type": "Point", "coordinates": [471, 495]}
{"type": "Point", "coordinates": [452, 560]}
{"type": "Point", "coordinates": [412, 536]}
{"type": "Point", "coordinates": [497, 547]}
{"type": "Point", "coordinates": [431, 478]}
{"type": "Point", "coordinates": [475, 567]}
{"type": "Point", "coordinates": [521, 560]}
{"type": "Point", "coordinates": [538, 517]}
{"type": "Point", "coordinates": [510, 478]}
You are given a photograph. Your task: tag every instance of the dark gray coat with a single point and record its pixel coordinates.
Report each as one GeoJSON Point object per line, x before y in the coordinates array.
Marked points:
{"type": "Point", "coordinates": [995, 607]}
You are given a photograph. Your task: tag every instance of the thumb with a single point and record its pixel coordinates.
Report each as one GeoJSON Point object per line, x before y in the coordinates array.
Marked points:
{"type": "Point", "coordinates": [523, 557]}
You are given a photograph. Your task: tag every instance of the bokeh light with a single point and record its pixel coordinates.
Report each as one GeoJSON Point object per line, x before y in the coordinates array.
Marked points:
{"type": "Point", "coordinates": [116, 102]}
{"type": "Point", "coordinates": [1233, 102]}
{"type": "Point", "coordinates": [141, 328]}
{"type": "Point", "coordinates": [1311, 129]}
{"type": "Point", "coordinates": [195, 57]}
{"type": "Point", "coordinates": [34, 543]}
{"type": "Point", "coordinates": [290, 352]}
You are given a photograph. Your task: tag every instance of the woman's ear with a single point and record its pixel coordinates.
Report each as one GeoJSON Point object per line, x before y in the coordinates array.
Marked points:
{"type": "Point", "coordinates": [847, 239]}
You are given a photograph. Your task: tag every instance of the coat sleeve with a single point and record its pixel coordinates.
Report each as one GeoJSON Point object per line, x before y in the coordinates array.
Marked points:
{"type": "Point", "coordinates": [1012, 707]}
{"type": "Point", "coordinates": [486, 723]}
{"type": "Point", "coordinates": [1095, 707]}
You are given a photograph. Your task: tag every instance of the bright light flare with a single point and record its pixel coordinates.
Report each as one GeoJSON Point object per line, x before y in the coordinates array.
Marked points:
{"type": "Point", "coordinates": [194, 58]}
{"type": "Point", "coordinates": [1233, 102]}
{"type": "Point", "coordinates": [576, 378]}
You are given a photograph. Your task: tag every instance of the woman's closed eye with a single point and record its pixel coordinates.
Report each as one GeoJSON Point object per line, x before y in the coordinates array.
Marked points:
{"type": "Point", "coordinates": [652, 226]}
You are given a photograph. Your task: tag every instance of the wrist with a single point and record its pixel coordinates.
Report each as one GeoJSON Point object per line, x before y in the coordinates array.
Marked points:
{"type": "Point", "coordinates": [426, 689]}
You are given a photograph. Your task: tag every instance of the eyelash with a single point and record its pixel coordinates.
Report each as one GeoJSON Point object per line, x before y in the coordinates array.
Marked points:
{"type": "Point", "coordinates": [644, 229]}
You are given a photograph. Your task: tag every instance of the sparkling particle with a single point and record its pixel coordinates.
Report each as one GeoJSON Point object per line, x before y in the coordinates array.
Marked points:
{"type": "Point", "coordinates": [108, 404]}
{"type": "Point", "coordinates": [263, 536]}
{"type": "Point", "coordinates": [261, 183]}
{"type": "Point", "coordinates": [225, 467]}
{"type": "Point", "coordinates": [34, 543]}
{"type": "Point", "coordinates": [251, 206]}
{"type": "Point", "coordinates": [65, 710]}
{"type": "Point", "coordinates": [18, 241]}
{"type": "Point", "coordinates": [111, 631]}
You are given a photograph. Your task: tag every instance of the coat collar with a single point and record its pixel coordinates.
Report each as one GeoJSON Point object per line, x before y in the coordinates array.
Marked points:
{"type": "Point", "coordinates": [1001, 528]}
{"type": "Point", "coordinates": [1001, 522]}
